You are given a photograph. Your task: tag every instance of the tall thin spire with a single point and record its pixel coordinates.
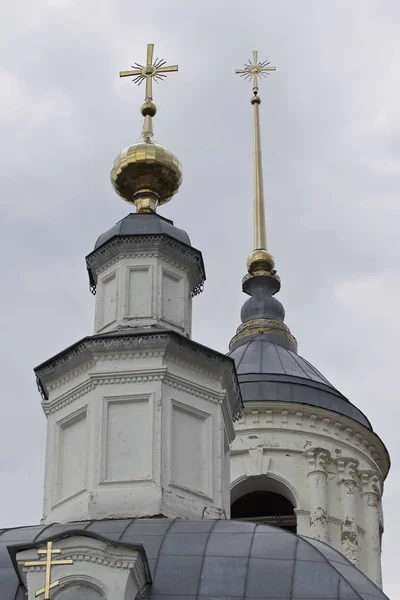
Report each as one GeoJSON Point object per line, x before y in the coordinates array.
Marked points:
{"type": "Point", "coordinates": [260, 259]}
{"type": "Point", "coordinates": [262, 314]}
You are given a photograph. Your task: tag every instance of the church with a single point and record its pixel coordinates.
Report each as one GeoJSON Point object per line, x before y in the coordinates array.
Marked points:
{"type": "Point", "coordinates": [174, 471]}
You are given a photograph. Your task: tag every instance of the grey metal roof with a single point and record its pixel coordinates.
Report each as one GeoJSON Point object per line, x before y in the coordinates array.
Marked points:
{"type": "Point", "coordinates": [143, 224]}
{"type": "Point", "coordinates": [268, 371]}
{"type": "Point", "coordinates": [207, 560]}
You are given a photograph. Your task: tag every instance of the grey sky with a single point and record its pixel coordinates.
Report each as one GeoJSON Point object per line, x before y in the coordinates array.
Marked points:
{"type": "Point", "coordinates": [331, 149]}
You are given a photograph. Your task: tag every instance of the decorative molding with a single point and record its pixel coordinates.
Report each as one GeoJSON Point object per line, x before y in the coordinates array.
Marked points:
{"type": "Point", "coordinates": [50, 407]}
{"type": "Point", "coordinates": [317, 460]}
{"type": "Point", "coordinates": [347, 469]}
{"type": "Point", "coordinates": [195, 368]}
{"type": "Point", "coordinates": [193, 388]}
{"type": "Point", "coordinates": [371, 483]}
{"type": "Point", "coordinates": [142, 256]}
{"type": "Point", "coordinates": [161, 243]}
{"type": "Point", "coordinates": [100, 379]}
{"type": "Point", "coordinates": [72, 375]}
{"type": "Point", "coordinates": [92, 559]}
{"type": "Point", "coordinates": [303, 418]}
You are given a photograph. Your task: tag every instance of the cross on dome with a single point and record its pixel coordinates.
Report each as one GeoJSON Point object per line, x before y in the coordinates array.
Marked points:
{"type": "Point", "coordinates": [151, 70]}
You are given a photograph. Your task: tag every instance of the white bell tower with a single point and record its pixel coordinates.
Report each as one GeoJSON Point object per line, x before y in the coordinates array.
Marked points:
{"type": "Point", "coordinates": [139, 416]}
{"type": "Point", "coordinates": [304, 457]}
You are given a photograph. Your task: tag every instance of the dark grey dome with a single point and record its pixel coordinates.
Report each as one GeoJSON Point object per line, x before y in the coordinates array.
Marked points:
{"type": "Point", "coordinates": [143, 224]}
{"type": "Point", "coordinates": [270, 371]}
{"type": "Point", "coordinates": [210, 560]}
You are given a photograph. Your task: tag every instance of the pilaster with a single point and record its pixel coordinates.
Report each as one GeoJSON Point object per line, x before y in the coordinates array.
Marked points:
{"type": "Point", "coordinates": [347, 482]}
{"type": "Point", "coordinates": [317, 459]}
{"type": "Point", "coordinates": [371, 493]}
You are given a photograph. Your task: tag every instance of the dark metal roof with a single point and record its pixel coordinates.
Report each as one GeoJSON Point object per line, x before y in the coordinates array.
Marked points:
{"type": "Point", "coordinates": [145, 231]}
{"type": "Point", "coordinates": [207, 560]}
{"type": "Point", "coordinates": [143, 224]}
{"type": "Point", "coordinates": [269, 371]}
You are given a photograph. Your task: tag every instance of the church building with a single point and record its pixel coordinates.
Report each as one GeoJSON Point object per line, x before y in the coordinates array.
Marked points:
{"type": "Point", "coordinates": [175, 472]}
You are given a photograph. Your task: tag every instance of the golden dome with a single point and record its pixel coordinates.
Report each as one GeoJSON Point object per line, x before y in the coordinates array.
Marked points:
{"type": "Point", "coordinates": [146, 174]}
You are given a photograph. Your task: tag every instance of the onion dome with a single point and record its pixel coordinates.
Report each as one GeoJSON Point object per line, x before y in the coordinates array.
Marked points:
{"type": "Point", "coordinates": [147, 174]}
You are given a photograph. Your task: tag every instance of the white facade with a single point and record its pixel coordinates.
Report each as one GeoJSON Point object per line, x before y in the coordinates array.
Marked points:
{"type": "Point", "coordinates": [140, 420]}
{"type": "Point", "coordinates": [138, 426]}
{"type": "Point", "coordinates": [144, 281]}
{"type": "Point", "coordinates": [108, 571]}
{"type": "Point", "coordinates": [328, 466]}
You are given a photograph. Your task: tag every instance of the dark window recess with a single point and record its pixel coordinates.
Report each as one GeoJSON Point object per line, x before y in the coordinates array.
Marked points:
{"type": "Point", "coordinates": [265, 507]}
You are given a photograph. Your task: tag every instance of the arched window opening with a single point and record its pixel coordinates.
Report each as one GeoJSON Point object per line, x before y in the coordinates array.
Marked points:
{"type": "Point", "coordinates": [265, 507]}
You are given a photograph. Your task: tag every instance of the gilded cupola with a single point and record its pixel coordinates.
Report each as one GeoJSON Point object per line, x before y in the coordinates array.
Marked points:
{"type": "Point", "coordinates": [147, 174]}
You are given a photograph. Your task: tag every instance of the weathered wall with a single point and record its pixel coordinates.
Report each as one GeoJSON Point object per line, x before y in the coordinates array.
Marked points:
{"type": "Point", "coordinates": [330, 467]}
{"type": "Point", "coordinates": [138, 433]}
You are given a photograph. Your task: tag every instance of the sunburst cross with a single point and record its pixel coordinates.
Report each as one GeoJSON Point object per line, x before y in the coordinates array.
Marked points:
{"type": "Point", "coordinates": [151, 70]}
{"type": "Point", "coordinates": [254, 70]}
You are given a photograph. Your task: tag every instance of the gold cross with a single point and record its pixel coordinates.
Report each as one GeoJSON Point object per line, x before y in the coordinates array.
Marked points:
{"type": "Point", "coordinates": [48, 563]}
{"type": "Point", "coordinates": [151, 70]}
{"type": "Point", "coordinates": [255, 70]}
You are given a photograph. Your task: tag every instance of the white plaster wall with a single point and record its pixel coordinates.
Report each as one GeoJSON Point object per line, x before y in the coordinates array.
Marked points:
{"type": "Point", "coordinates": [141, 289]}
{"type": "Point", "coordinates": [136, 434]}
{"type": "Point", "coordinates": [324, 464]}
{"type": "Point", "coordinates": [111, 570]}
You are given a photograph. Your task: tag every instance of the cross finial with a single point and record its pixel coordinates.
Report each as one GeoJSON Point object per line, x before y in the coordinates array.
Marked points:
{"type": "Point", "coordinates": [151, 70]}
{"type": "Point", "coordinates": [260, 260]}
{"type": "Point", "coordinates": [48, 562]}
{"type": "Point", "coordinates": [254, 70]}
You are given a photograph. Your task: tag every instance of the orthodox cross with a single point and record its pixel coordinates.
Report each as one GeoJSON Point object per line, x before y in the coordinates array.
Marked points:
{"type": "Point", "coordinates": [151, 70]}
{"type": "Point", "coordinates": [255, 70]}
{"type": "Point", "coordinates": [47, 563]}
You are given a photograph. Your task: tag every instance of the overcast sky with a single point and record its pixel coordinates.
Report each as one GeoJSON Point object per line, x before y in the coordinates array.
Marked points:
{"type": "Point", "coordinates": [331, 151]}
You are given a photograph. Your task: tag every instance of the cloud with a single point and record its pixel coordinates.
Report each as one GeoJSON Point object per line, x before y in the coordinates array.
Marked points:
{"type": "Point", "coordinates": [331, 148]}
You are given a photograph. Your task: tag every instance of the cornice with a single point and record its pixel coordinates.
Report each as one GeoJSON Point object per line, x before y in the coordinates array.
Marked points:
{"type": "Point", "coordinates": [70, 376]}
{"type": "Point", "coordinates": [158, 242]}
{"type": "Point", "coordinates": [121, 343]}
{"type": "Point", "coordinates": [101, 379]}
{"type": "Point", "coordinates": [142, 255]}
{"type": "Point", "coordinates": [194, 389]}
{"type": "Point", "coordinates": [303, 418]}
{"type": "Point", "coordinates": [100, 557]}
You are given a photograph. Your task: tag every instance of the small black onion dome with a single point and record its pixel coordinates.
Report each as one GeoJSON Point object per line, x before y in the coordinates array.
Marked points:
{"type": "Point", "coordinates": [143, 224]}
{"type": "Point", "coordinates": [267, 363]}
{"type": "Point", "coordinates": [263, 314]}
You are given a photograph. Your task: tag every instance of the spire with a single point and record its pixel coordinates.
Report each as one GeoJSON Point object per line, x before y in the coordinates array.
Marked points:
{"type": "Point", "coordinates": [262, 313]}
{"type": "Point", "coordinates": [147, 173]}
{"type": "Point", "coordinates": [260, 260]}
